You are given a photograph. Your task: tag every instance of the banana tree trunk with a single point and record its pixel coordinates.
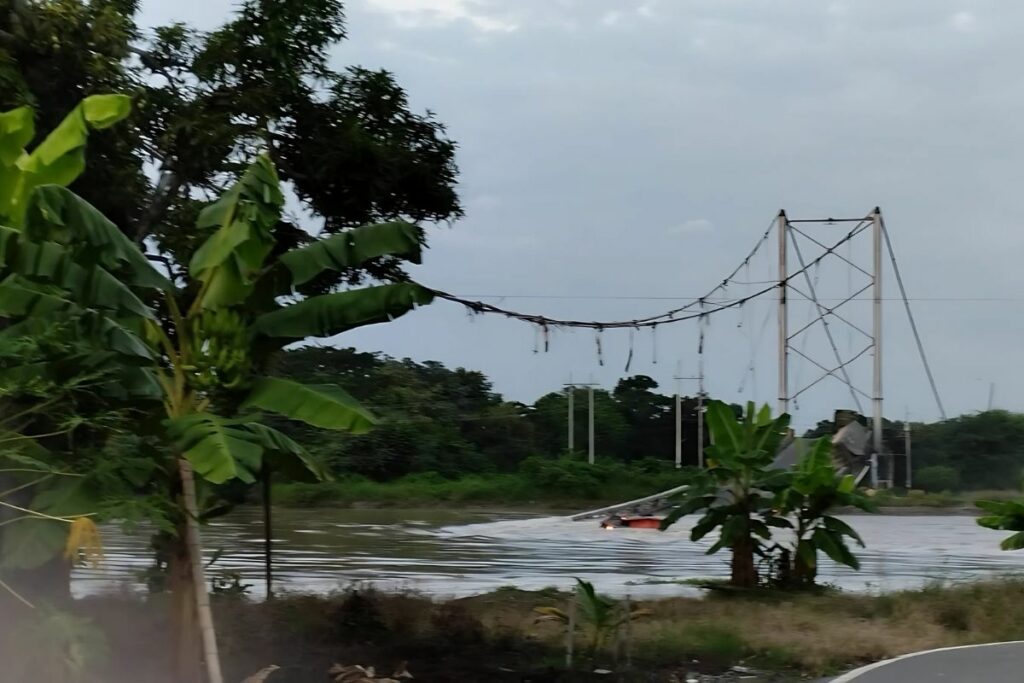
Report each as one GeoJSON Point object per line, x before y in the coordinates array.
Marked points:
{"type": "Point", "coordinates": [191, 600]}
{"type": "Point", "coordinates": [744, 572]}
{"type": "Point", "coordinates": [184, 622]}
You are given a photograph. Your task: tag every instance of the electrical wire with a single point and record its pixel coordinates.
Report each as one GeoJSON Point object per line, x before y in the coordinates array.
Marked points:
{"type": "Point", "coordinates": [668, 317]}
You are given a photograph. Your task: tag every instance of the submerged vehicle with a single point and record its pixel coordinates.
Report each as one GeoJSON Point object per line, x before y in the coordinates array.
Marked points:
{"type": "Point", "coordinates": [645, 515]}
{"type": "Point", "coordinates": [642, 522]}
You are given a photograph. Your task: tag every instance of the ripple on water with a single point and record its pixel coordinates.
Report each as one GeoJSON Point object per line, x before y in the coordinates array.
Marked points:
{"type": "Point", "coordinates": [453, 553]}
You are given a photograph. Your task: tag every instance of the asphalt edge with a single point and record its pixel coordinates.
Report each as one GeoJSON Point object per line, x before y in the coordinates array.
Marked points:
{"type": "Point", "coordinates": [856, 673]}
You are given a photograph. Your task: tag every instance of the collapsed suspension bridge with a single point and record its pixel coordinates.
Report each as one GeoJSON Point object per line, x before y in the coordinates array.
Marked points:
{"type": "Point", "coordinates": [792, 236]}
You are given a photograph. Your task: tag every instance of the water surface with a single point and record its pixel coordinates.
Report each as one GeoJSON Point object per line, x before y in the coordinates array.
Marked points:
{"type": "Point", "coordinates": [457, 553]}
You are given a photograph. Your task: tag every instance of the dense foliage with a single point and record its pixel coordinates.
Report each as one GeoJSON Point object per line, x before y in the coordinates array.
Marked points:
{"type": "Point", "coordinates": [984, 450]}
{"type": "Point", "coordinates": [346, 142]}
{"type": "Point", "coordinates": [452, 422]}
{"type": "Point", "coordinates": [743, 497]}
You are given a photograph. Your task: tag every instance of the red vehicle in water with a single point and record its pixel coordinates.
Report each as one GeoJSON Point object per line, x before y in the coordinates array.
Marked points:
{"type": "Point", "coordinates": [617, 522]}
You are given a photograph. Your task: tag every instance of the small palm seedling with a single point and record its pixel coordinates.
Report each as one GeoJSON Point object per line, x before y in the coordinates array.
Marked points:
{"type": "Point", "coordinates": [601, 616]}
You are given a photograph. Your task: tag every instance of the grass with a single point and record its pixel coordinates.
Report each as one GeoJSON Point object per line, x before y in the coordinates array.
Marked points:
{"type": "Point", "coordinates": [822, 633]}
{"type": "Point", "coordinates": [807, 634]}
{"type": "Point", "coordinates": [946, 499]}
{"type": "Point", "coordinates": [496, 637]}
{"type": "Point", "coordinates": [561, 482]}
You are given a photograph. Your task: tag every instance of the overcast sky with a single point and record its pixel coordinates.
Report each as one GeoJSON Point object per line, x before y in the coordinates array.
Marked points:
{"type": "Point", "coordinates": [639, 148]}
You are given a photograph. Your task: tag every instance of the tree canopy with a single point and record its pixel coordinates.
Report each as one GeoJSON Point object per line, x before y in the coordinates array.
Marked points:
{"type": "Point", "coordinates": [346, 143]}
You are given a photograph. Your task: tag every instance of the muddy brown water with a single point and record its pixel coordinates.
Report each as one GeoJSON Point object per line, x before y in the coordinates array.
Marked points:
{"type": "Point", "coordinates": [451, 553]}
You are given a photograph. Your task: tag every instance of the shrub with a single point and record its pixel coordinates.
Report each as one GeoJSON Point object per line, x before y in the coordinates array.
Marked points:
{"type": "Point", "coordinates": [457, 624]}
{"type": "Point", "coordinates": [358, 617]}
{"type": "Point", "coordinates": [937, 478]}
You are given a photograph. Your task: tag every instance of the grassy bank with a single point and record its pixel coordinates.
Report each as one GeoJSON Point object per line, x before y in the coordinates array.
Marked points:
{"type": "Point", "coordinates": [496, 637]}
{"type": "Point", "coordinates": [557, 483]}
{"type": "Point", "coordinates": [941, 500]}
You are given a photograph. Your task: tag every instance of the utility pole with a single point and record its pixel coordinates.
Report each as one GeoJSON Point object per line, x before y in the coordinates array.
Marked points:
{"type": "Point", "coordinates": [590, 418]}
{"type": "Point", "coordinates": [783, 230]}
{"type": "Point", "coordinates": [991, 394]}
{"type": "Point", "coordinates": [590, 425]}
{"type": "Point", "coordinates": [906, 448]}
{"type": "Point", "coordinates": [876, 221]}
{"type": "Point", "coordinates": [679, 420]}
{"type": "Point", "coordinates": [700, 418]}
{"type": "Point", "coordinates": [570, 392]}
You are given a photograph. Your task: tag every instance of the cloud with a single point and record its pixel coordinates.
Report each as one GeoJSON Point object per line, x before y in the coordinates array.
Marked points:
{"type": "Point", "coordinates": [611, 149]}
{"type": "Point", "coordinates": [611, 18]}
{"type": "Point", "coordinates": [838, 9]}
{"type": "Point", "coordinates": [963, 21]}
{"type": "Point", "coordinates": [692, 227]}
{"type": "Point", "coordinates": [417, 13]}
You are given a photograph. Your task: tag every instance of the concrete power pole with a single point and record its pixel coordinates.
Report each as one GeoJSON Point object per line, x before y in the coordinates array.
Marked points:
{"type": "Point", "coordinates": [679, 421]}
{"type": "Point", "coordinates": [700, 419]}
{"type": "Point", "coordinates": [906, 447]}
{"type": "Point", "coordinates": [571, 389]}
{"type": "Point", "coordinates": [590, 424]}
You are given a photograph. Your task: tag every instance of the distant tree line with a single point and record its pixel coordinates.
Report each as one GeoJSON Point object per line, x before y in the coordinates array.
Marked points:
{"type": "Point", "coordinates": [435, 419]}
{"type": "Point", "coordinates": [983, 450]}
{"type": "Point", "coordinates": [452, 422]}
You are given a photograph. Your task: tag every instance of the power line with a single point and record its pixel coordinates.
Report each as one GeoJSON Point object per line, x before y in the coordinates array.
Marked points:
{"type": "Point", "coordinates": [709, 300]}
{"type": "Point", "coordinates": [672, 316]}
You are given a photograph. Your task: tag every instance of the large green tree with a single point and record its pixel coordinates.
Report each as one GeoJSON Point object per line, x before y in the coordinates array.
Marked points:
{"type": "Point", "coordinates": [198, 355]}
{"type": "Point", "coordinates": [345, 141]}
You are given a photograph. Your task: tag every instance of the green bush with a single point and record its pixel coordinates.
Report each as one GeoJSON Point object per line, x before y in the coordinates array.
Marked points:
{"type": "Point", "coordinates": [937, 478]}
{"type": "Point", "coordinates": [567, 481]}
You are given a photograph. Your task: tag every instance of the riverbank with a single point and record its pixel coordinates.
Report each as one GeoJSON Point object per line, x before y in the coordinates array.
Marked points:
{"type": "Point", "coordinates": [496, 637]}
{"type": "Point", "coordinates": [540, 483]}
{"type": "Point", "coordinates": [558, 488]}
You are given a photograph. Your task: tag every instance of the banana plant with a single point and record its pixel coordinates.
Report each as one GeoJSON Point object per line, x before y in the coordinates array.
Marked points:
{"type": "Point", "coordinates": [197, 347]}
{"type": "Point", "coordinates": [1004, 515]}
{"type": "Point", "coordinates": [601, 615]}
{"type": "Point", "coordinates": [813, 490]}
{"type": "Point", "coordinates": [58, 160]}
{"type": "Point", "coordinates": [736, 490]}
{"type": "Point", "coordinates": [240, 307]}
{"type": "Point", "coordinates": [69, 293]}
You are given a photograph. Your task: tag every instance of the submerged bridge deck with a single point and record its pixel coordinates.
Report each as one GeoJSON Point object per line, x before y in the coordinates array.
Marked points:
{"type": "Point", "coordinates": [849, 454]}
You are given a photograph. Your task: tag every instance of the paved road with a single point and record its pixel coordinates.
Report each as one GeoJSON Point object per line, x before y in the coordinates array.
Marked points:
{"type": "Point", "coordinates": [996, 663]}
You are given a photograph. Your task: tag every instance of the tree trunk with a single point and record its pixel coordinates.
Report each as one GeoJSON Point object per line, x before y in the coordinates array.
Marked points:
{"type": "Point", "coordinates": [744, 572]}
{"type": "Point", "coordinates": [184, 622]}
{"type": "Point", "coordinates": [196, 637]}
{"type": "Point", "coordinates": [803, 575]}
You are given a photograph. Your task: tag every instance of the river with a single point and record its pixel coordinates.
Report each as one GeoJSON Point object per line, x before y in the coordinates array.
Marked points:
{"type": "Point", "coordinates": [456, 553]}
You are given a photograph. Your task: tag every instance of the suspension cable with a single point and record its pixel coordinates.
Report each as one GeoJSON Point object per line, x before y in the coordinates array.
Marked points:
{"type": "Point", "coordinates": [668, 317]}
{"type": "Point", "coordinates": [913, 323]}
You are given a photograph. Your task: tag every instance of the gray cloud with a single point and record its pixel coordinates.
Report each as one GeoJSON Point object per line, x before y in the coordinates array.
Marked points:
{"type": "Point", "coordinates": [588, 128]}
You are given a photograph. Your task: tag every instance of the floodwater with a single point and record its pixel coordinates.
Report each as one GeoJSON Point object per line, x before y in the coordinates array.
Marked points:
{"type": "Point", "coordinates": [456, 553]}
